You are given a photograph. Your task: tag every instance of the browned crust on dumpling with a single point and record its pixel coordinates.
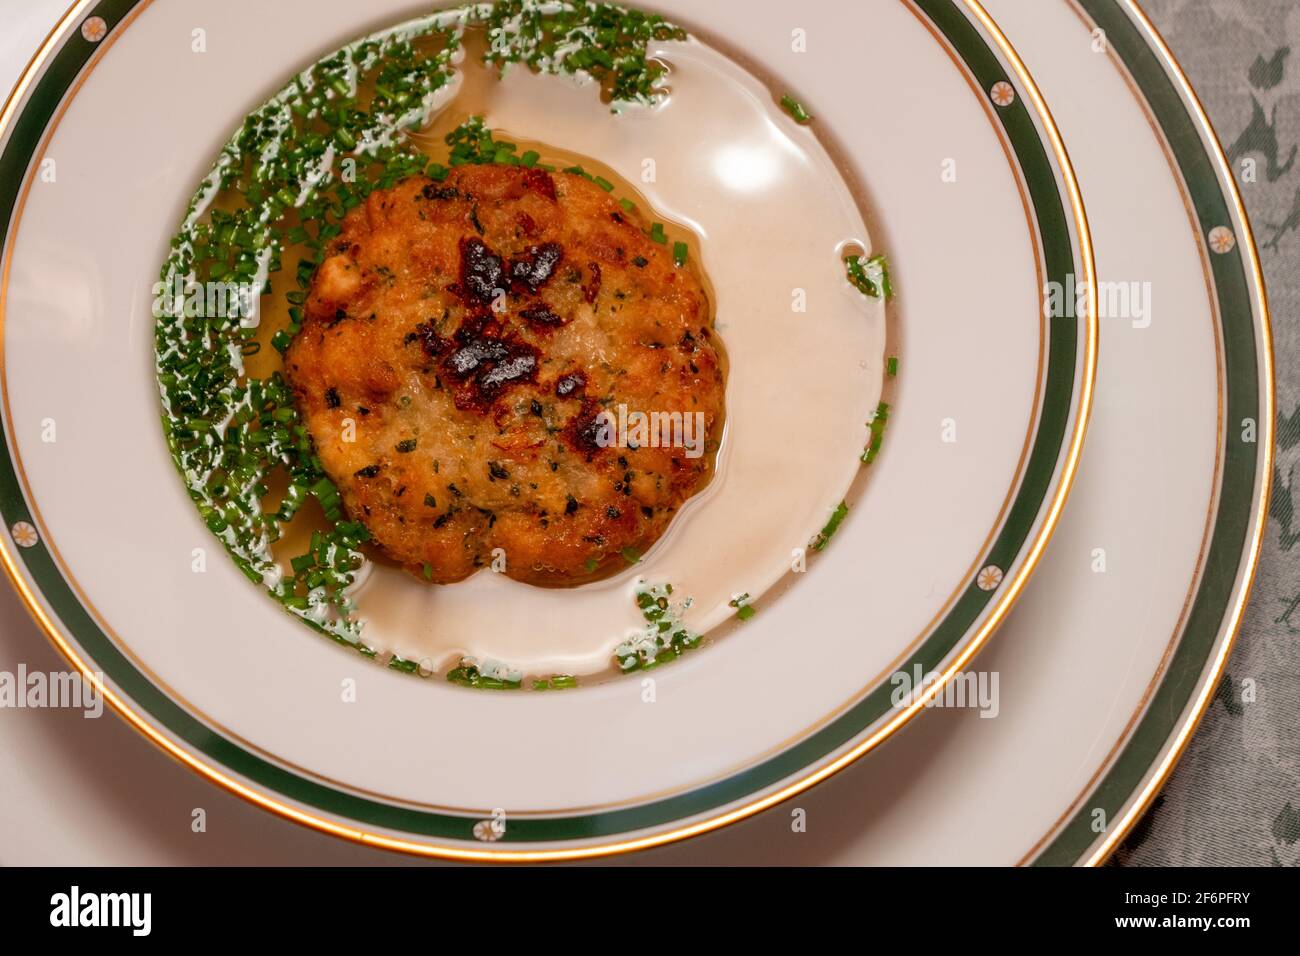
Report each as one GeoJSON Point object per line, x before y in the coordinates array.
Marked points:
{"type": "Point", "coordinates": [466, 334]}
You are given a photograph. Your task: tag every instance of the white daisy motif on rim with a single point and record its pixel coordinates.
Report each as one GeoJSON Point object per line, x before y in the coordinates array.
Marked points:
{"type": "Point", "coordinates": [1003, 93]}
{"type": "Point", "coordinates": [1222, 239]}
{"type": "Point", "coordinates": [24, 534]}
{"type": "Point", "coordinates": [989, 577]}
{"type": "Point", "coordinates": [489, 831]}
{"type": "Point", "coordinates": [94, 29]}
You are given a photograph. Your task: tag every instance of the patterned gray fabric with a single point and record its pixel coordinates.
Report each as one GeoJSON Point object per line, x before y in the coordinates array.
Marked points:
{"type": "Point", "coordinates": [1235, 797]}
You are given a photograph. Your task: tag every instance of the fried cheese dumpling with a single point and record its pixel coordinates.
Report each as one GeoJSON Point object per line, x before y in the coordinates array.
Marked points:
{"type": "Point", "coordinates": [472, 363]}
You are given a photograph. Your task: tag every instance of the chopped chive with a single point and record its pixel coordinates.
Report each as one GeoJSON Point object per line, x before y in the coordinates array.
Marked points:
{"type": "Point", "coordinates": [558, 682]}
{"type": "Point", "coordinates": [467, 675]}
{"type": "Point", "coordinates": [680, 253]}
{"type": "Point", "coordinates": [664, 638]}
{"type": "Point", "coordinates": [824, 536]}
{"type": "Point", "coordinates": [795, 109]}
{"type": "Point", "coordinates": [657, 233]}
{"type": "Point", "coordinates": [744, 610]}
{"type": "Point", "coordinates": [604, 184]}
{"type": "Point", "coordinates": [869, 275]}
{"type": "Point", "coordinates": [631, 555]}
{"type": "Point", "coordinates": [877, 426]}
{"type": "Point", "coordinates": [891, 366]}
{"type": "Point", "coordinates": [530, 158]}
{"type": "Point", "coordinates": [627, 204]}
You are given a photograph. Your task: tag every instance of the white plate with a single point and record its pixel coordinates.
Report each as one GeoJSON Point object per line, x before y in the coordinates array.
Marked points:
{"type": "Point", "coordinates": [938, 547]}
{"type": "Point", "coordinates": [953, 788]}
